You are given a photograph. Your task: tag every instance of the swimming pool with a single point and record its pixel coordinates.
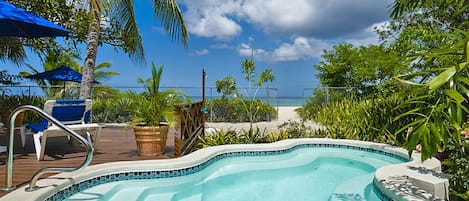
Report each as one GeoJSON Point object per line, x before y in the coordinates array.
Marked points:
{"type": "Point", "coordinates": [304, 172]}
{"type": "Point", "coordinates": [299, 169]}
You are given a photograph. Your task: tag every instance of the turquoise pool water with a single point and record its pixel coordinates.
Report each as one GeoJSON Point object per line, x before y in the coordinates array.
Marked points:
{"type": "Point", "coordinates": [310, 173]}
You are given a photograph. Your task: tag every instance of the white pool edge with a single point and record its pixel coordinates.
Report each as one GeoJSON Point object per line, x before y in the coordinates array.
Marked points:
{"type": "Point", "coordinates": [384, 176]}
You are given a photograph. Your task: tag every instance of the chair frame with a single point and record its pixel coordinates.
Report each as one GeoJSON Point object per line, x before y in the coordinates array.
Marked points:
{"type": "Point", "coordinates": [81, 126]}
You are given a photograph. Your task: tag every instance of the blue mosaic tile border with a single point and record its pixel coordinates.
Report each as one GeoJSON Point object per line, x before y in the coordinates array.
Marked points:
{"type": "Point", "coordinates": [69, 191]}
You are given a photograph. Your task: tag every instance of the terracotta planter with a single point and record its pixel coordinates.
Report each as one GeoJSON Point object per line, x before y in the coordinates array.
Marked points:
{"type": "Point", "coordinates": [151, 140]}
{"type": "Point", "coordinates": [5, 115]}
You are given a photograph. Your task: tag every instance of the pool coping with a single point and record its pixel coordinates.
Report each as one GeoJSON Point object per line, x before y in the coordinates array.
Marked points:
{"type": "Point", "coordinates": [385, 177]}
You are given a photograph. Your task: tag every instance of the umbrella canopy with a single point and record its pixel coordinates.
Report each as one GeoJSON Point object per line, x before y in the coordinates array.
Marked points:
{"type": "Point", "coordinates": [16, 22]}
{"type": "Point", "coordinates": [63, 73]}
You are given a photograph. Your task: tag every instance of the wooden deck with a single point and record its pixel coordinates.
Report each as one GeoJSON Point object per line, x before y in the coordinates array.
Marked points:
{"type": "Point", "coordinates": [114, 144]}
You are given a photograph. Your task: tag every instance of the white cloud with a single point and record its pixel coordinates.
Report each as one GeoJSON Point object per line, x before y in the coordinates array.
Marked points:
{"type": "Point", "coordinates": [300, 48]}
{"type": "Point", "coordinates": [201, 52]}
{"type": "Point", "coordinates": [310, 25]}
{"type": "Point", "coordinates": [245, 50]}
{"type": "Point", "coordinates": [220, 46]}
{"type": "Point", "coordinates": [218, 27]}
{"type": "Point", "coordinates": [308, 18]}
{"type": "Point", "coordinates": [212, 19]}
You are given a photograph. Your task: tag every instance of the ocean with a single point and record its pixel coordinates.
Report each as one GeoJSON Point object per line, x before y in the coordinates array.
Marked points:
{"type": "Point", "coordinates": [268, 95]}
{"type": "Point", "coordinates": [276, 101]}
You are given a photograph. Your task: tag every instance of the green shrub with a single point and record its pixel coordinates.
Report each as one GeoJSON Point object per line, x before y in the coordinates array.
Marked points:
{"type": "Point", "coordinates": [9, 103]}
{"type": "Point", "coordinates": [220, 137]}
{"type": "Point", "coordinates": [234, 110]}
{"type": "Point", "coordinates": [288, 130]}
{"type": "Point", "coordinates": [111, 110]}
{"type": "Point", "coordinates": [231, 136]}
{"type": "Point", "coordinates": [368, 119]}
{"type": "Point", "coordinates": [298, 129]}
{"type": "Point", "coordinates": [456, 165]}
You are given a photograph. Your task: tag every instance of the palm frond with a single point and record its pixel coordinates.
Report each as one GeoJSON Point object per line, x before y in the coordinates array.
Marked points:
{"type": "Point", "coordinates": [12, 50]}
{"type": "Point", "coordinates": [171, 18]}
{"type": "Point", "coordinates": [124, 11]}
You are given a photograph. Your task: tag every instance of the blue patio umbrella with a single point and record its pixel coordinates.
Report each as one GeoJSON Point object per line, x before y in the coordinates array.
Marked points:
{"type": "Point", "coordinates": [16, 22]}
{"type": "Point", "coordinates": [63, 73]}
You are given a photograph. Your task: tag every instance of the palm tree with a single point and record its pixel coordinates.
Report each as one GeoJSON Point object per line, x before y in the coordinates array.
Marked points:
{"type": "Point", "coordinates": [122, 10]}
{"type": "Point", "coordinates": [101, 75]}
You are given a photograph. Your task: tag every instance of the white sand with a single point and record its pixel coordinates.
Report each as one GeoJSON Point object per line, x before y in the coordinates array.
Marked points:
{"type": "Point", "coordinates": [284, 114]}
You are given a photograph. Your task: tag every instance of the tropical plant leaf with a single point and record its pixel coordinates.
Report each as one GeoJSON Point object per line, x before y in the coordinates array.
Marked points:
{"type": "Point", "coordinates": [407, 82]}
{"type": "Point", "coordinates": [455, 95]}
{"type": "Point", "coordinates": [410, 112]}
{"type": "Point", "coordinates": [441, 79]}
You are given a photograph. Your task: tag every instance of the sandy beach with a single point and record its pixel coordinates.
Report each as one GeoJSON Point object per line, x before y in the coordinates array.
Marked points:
{"type": "Point", "coordinates": [284, 114]}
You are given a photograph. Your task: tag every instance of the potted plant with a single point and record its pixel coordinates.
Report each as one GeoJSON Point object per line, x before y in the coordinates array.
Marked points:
{"type": "Point", "coordinates": [149, 110]}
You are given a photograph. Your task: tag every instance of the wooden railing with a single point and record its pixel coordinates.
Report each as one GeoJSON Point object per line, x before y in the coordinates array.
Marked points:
{"type": "Point", "coordinates": [190, 125]}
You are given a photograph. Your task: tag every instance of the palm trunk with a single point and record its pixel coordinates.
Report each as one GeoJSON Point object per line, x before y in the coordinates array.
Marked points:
{"type": "Point", "coordinates": [90, 58]}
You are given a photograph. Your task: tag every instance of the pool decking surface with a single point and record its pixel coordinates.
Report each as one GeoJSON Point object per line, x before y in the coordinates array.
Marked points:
{"type": "Point", "coordinates": [114, 144]}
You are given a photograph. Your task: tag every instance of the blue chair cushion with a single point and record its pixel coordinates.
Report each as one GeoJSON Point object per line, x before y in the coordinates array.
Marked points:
{"type": "Point", "coordinates": [38, 127]}
{"type": "Point", "coordinates": [72, 112]}
{"type": "Point", "coordinates": [68, 113]}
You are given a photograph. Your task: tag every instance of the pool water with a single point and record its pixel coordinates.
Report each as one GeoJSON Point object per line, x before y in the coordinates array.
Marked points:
{"type": "Point", "coordinates": [308, 173]}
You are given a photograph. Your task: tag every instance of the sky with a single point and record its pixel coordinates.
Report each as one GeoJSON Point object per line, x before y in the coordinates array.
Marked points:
{"type": "Point", "coordinates": [287, 37]}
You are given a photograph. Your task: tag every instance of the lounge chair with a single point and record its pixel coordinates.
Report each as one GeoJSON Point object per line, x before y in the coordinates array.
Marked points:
{"type": "Point", "coordinates": [76, 114]}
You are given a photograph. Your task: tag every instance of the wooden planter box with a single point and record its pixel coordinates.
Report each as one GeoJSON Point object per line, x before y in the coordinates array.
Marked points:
{"type": "Point", "coordinates": [151, 140]}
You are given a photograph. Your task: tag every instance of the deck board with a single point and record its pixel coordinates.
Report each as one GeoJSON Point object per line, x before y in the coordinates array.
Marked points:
{"type": "Point", "coordinates": [114, 144]}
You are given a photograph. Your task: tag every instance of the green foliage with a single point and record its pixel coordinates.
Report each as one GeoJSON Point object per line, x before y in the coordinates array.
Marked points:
{"type": "Point", "coordinates": [362, 71]}
{"type": "Point", "coordinates": [111, 110]}
{"type": "Point", "coordinates": [428, 35]}
{"type": "Point", "coordinates": [230, 136]}
{"type": "Point", "coordinates": [253, 136]}
{"type": "Point", "coordinates": [226, 86]}
{"type": "Point", "coordinates": [288, 130]}
{"type": "Point", "coordinates": [276, 136]}
{"type": "Point", "coordinates": [440, 108]}
{"type": "Point", "coordinates": [8, 79]}
{"type": "Point", "coordinates": [104, 91]}
{"type": "Point", "coordinates": [443, 13]}
{"type": "Point", "coordinates": [249, 69]}
{"type": "Point", "coordinates": [100, 74]}
{"type": "Point", "coordinates": [52, 60]}
{"type": "Point", "coordinates": [221, 137]}
{"type": "Point", "coordinates": [153, 106]}
{"type": "Point", "coordinates": [9, 103]}
{"type": "Point", "coordinates": [243, 105]}
{"type": "Point", "coordinates": [366, 119]}
{"type": "Point", "coordinates": [328, 94]}
{"type": "Point", "coordinates": [232, 110]}
{"type": "Point", "coordinates": [457, 167]}
{"type": "Point", "coordinates": [298, 129]}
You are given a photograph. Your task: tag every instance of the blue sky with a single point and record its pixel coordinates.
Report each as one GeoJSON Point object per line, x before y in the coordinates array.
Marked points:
{"type": "Point", "coordinates": [285, 36]}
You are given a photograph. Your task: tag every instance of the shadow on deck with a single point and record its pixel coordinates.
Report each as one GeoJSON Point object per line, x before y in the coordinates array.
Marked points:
{"type": "Point", "coordinates": [114, 144]}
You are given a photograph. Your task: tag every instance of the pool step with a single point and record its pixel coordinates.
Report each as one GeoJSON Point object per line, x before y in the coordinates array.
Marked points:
{"type": "Point", "coordinates": [359, 188]}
